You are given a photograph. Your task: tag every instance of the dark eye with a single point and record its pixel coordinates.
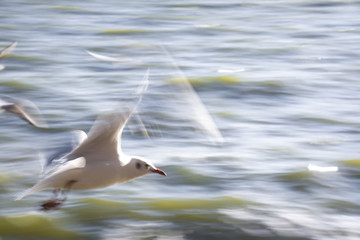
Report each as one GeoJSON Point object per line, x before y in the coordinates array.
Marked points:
{"type": "Point", "coordinates": [138, 165]}
{"type": "Point", "coordinates": [147, 166]}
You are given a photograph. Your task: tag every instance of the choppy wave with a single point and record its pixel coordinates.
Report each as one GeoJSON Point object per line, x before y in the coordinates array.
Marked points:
{"type": "Point", "coordinates": [33, 227]}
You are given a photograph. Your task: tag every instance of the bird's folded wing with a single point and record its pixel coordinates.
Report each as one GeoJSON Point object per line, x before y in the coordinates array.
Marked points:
{"type": "Point", "coordinates": [58, 158]}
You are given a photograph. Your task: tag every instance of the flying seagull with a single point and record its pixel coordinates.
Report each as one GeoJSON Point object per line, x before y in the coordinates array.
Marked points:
{"type": "Point", "coordinates": [97, 161]}
{"type": "Point", "coordinates": [18, 108]}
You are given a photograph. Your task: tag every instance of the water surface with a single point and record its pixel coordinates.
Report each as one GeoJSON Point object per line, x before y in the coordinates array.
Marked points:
{"type": "Point", "coordinates": [279, 78]}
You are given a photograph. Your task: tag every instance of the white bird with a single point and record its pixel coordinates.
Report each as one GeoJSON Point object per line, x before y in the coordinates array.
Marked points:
{"type": "Point", "coordinates": [97, 161]}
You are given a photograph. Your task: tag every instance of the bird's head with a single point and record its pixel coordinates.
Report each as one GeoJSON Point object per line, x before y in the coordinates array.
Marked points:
{"type": "Point", "coordinates": [142, 167]}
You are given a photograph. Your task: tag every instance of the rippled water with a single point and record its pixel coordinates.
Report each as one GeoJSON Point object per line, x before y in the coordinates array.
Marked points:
{"type": "Point", "coordinates": [280, 78]}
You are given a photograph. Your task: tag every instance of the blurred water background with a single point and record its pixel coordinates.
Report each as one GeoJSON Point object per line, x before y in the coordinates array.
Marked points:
{"type": "Point", "coordinates": [280, 79]}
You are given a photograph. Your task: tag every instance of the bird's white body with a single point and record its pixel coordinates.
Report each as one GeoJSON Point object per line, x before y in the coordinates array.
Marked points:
{"type": "Point", "coordinates": [82, 176]}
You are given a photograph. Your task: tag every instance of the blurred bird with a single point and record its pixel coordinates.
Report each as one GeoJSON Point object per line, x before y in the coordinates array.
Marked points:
{"type": "Point", "coordinates": [193, 107]}
{"type": "Point", "coordinates": [198, 112]}
{"type": "Point", "coordinates": [123, 63]}
{"type": "Point", "coordinates": [96, 160]}
{"type": "Point", "coordinates": [17, 107]}
{"type": "Point", "coordinates": [120, 63]}
{"type": "Point", "coordinates": [6, 51]}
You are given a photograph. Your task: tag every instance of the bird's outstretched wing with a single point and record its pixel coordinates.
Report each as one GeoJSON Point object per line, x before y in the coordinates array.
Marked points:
{"type": "Point", "coordinates": [7, 50]}
{"type": "Point", "coordinates": [104, 137]}
{"type": "Point", "coordinates": [199, 113]}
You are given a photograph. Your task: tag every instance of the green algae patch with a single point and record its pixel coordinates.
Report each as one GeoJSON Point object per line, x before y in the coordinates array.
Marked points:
{"type": "Point", "coordinates": [105, 206]}
{"type": "Point", "coordinates": [184, 80]}
{"type": "Point", "coordinates": [323, 120]}
{"type": "Point", "coordinates": [6, 177]}
{"type": "Point", "coordinates": [351, 162]}
{"type": "Point", "coordinates": [93, 209]}
{"type": "Point", "coordinates": [124, 31]}
{"type": "Point", "coordinates": [271, 83]}
{"type": "Point", "coordinates": [192, 178]}
{"type": "Point", "coordinates": [25, 58]}
{"type": "Point", "coordinates": [342, 205]}
{"type": "Point", "coordinates": [33, 227]}
{"type": "Point", "coordinates": [297, 176]}
{"type": "Point", "coordinates": [227, 80]}
{"type": "Point", "coordinates": [65, 8]}
{"type": "Point", "coordinates": [18, 85]}
{"type": "Point", "coordinates": [228, 115]}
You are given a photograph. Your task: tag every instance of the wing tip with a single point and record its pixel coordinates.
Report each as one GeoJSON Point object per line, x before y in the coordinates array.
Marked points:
{"type": "Point", "coordinates": [37, 187]}
{"type": "Point", "coordinates": [22, 194]}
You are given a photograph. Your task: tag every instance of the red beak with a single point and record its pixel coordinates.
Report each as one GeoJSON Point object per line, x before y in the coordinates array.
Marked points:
{"type": "Point", "coordinates": [159, 171]}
